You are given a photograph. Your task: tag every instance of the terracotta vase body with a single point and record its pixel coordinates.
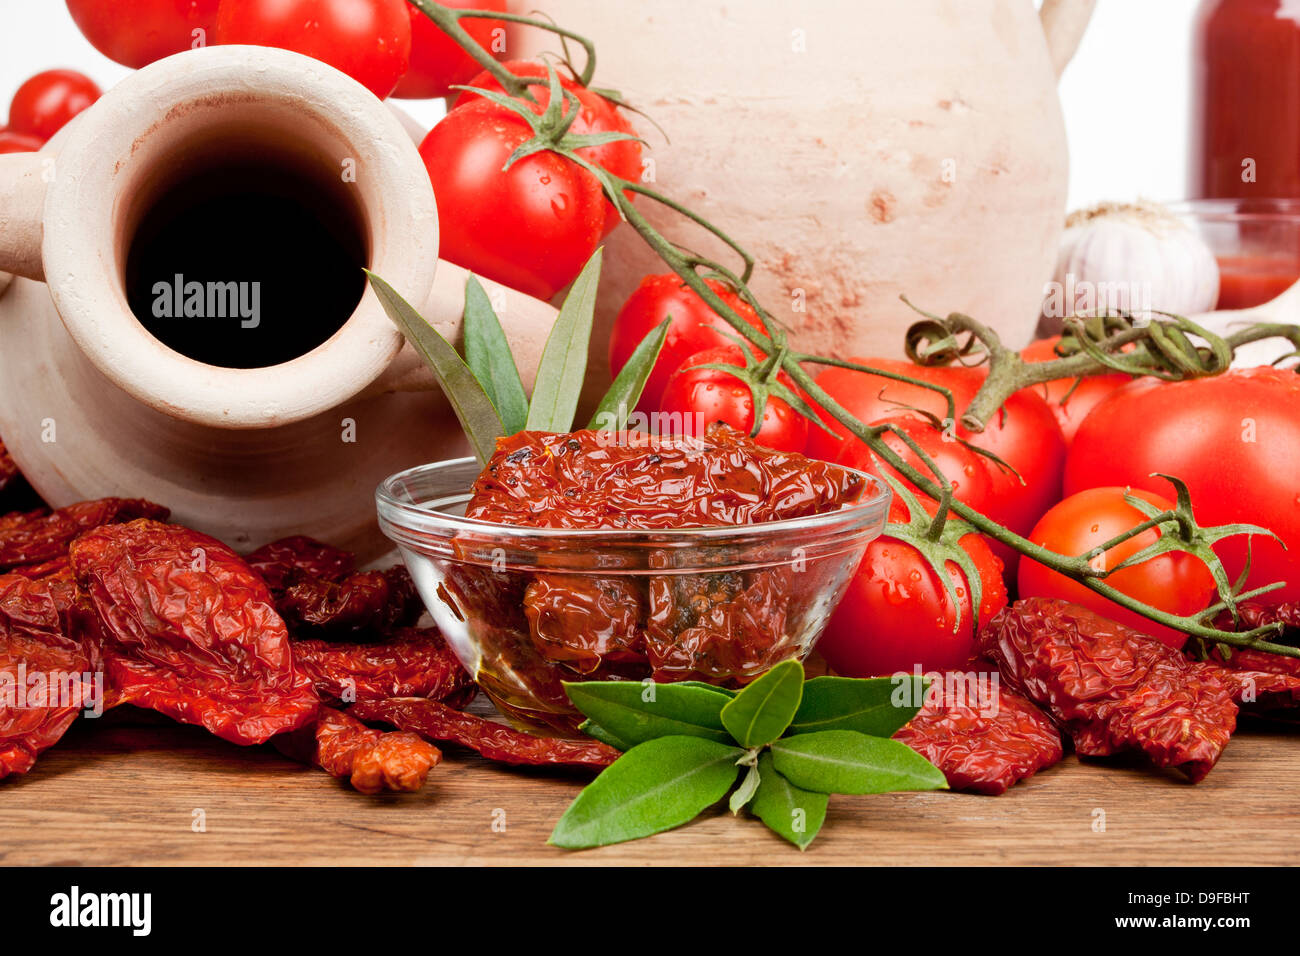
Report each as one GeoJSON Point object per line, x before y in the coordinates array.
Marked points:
{"type": "Point", "coordinates": [859, 149]}
{"type": "Point", "coordinates": [91, 404]}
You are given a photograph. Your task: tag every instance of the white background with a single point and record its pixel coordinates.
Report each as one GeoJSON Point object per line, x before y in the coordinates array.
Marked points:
{"type": "Point", "coordinates": [1125, 95]}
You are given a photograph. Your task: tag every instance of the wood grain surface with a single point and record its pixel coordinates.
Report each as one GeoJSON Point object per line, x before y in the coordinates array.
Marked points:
{"type": "Point", "coordinates": [134, 795]}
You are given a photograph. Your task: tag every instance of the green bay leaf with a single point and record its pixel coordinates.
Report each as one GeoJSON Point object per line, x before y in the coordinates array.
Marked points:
{"type": "Point", "coordinates": [597, 732]}
{"type": "Point", "coordinates": [761, 712]}
{"type": "Point", "coordinates": [625, 391]}
{"type": "Point", "coordinates": [869, 706]}
{"type": "Point", "coordinates": [844, 761]}
{"type": "Point", "coordinates": [745, 792]}
{"type": "Point", "coordinates": [635, 712]}
{"type": "Point", "coordinates": [488, 355]}
{"type": "Point", "coordinates": [655, 786]}
{"type": "Point", "coordinates": [564, 359]}
{"type": "Point", "coordinates": [789, 811]}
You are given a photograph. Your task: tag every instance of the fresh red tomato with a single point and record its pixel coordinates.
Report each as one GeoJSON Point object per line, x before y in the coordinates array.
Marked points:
{"type": "Point", "coordinates": [694, 327]}
{"type": "Point", "coordinates": [1024, 435]}
{"type": "Point", "coordinates": [437, 62]}
{"type": "Point", "coordinates": [11, 142]}
{"type": "Point", "coordinates": [48, 100]}
{"type": "Point", "coordinates": [533, 226]}
{"type": "Point", "coordinates": [718, 396]}
{"type": "Point", "coordinates": [896, 616]}
{"type": "Point", "coordinates": [1176, 582]}
{"type": "Point", "coordinates": [596, 114]}
{"type": "Point", "coordinates": [1071, 403]}
{"type": "Point", "coordinates": [969, 473]}
{"type": "Point", "coordinates": [369, 40]}
{"type": "Point", "coordinates": [141, 31]}
{"type": "Point", "coordinates": [1233, 438]}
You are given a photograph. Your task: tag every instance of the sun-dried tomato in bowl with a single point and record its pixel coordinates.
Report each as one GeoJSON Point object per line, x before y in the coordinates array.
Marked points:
{"type": "Point", "coordinates": [596, 555]}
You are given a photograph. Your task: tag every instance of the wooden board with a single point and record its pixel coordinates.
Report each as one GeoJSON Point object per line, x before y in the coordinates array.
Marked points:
{"type": "Point", "coordinates": [129, 795]}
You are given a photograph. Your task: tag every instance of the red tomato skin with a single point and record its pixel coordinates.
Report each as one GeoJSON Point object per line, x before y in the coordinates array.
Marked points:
{"type": "Point", "coordinates": [46, 101]}
{"type": "Point", "coordinates": [531, 227]}
{"type": "Point", "coordinates": [1071, 407]}
{"type": "Point", "coordinates": [1025, 435]}
{"type": "Point", "coordinates": [1177, 583]}
{"type": "Point", "coordinates": [148, 31]}
{"type": "Point", "coordinates": [1233, 438]}
{"type": "Point", "coordinates": [369, 40]}
{"type": "Point", "coordinates": [717, 396]}
{"type": "Point", "coordinates": [895, 615]}
{"type": "Point", "coordinates": [694, 327]}
{"type": "Point", "coordinates": [596, 114]}
{"type": "Point", "coordinates": [11, 142]}
{"type": "Point", "coordinates": [437, 62]}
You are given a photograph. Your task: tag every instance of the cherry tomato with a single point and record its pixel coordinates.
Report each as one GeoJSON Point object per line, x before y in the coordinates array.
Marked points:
{"type": "Point", "coordinates": [48, 100]}
{"type": "Point", "coordinates": [1233, 438]}
{"type": "Point", "coordinates": [532, 226]}
{"type": "Point", "coordinates": [11, 142]}
{"type": "Point", "coordinates": [1024, 434]}
{"type": "Point", "coordinates": [896, 616]}
{"type": "Point", "coordinates": [1071, 403]}
{"type": "Point", "coordinates": [141, 31]}
{"type": "Point", "coordinates": [369, 40]}
{"type": "Point", "coordinates": [718, 396]}
{"type": "Point", "coordinates": [1176, 582]}
{"type": "Point", "coordinates": [596, 115]}
{"type": "Point", "coordinates": [437, 62]}
{"type": "Point", "coordinates": [694, 327]}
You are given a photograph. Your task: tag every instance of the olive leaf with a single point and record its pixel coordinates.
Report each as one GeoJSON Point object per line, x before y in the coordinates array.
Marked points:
{"type": "Point", "coordinates": [844, 761]}
{"type": "Point", "coordinates": [792, 812]}
{"type": "Point", "coordinates": [564, 359]}
{"type": "Point", "coordinates": [655, 786]}
{"type": "Point", "coordinates": [625, 391]}
{"type": "Point", "coordinates": [488, 355]}
{"type": "Point", "coordinates": [469, 400]}
{"type": "Point", "coordinates": [761, 712]}
{"type": "Point", "coordinates": [703, 686]}
{"type": "Point", "coordinates": [597, 732]}
{"type": "Point", "coordinates": [867, 706]}
{"type": "Point", "coordinates": [627, 711]}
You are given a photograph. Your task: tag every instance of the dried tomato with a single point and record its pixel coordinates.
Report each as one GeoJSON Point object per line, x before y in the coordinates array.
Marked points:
{"type": "Point", "coordinates": [984, 745]}
{"type": "Point", "coordinates": [374, 761]}
{"type": "Point", "coordinates": [582, 621]}
{"type": "Point", "coordinates": [39, 536]}
{"type": "Point", "coordinates": [278, 561]}
{"type": "Point", "coordinates": [49, 661]}
{"type": "Point", "coordinates": [494, 741]}
{"type": "Point", "coordinates": [1112, 688]}
{"type": "Point", "coordinates": [413, 662]}
{"type": "Point", "coordinates": [191, 631]}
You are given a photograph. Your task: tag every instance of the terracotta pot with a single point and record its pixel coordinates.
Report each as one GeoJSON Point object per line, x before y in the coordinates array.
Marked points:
{"type": "Point", "coordinates": [858, 148]}
{"type": "Point", "coordinates": [94, 405]}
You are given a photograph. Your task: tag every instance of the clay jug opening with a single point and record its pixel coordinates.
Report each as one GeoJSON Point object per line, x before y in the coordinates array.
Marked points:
{"type": "Point", "coordinates": [248, 256]}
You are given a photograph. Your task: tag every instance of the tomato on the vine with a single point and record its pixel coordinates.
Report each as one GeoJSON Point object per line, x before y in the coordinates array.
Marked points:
{"type": "Point", "coordinates": [369, 40]}
{"type": "Point", "coordinates": [596, 114]}
{"type": "Point", "coordinates": [532, 226]}
{"type": "Point", "coordinates": [718, 396]}
{"type": "Point", "coordinates": [11, 142]}
{"type": "Point", "coordinates": [46, 101]}
{"type": "Point", "coordinates": [896, 614]}
{"type": "Point", "coordinates": [1069, 399]}
{"type": "Point", "coordinates": [1176, 582]}
{"type": "Point", "coordinates": [437, 62]}
{"type": "Point", "coordinates": [141, 31]}
{"type": "Point", "coordinates": [1233, 438]}
{"type": "Point", "coordinates": [694, 327]}
{"type": "Point", "coordinates": [1024, 433]}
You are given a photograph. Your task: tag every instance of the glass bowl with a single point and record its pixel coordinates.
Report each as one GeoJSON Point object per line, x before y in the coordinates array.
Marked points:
{"type": "Point", "coordinates": [527, 608]}
{"type": "Point", "coordinates": [1255, 241]}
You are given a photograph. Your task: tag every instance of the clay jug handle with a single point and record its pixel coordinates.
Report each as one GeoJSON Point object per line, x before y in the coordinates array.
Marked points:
{"type": "Point", "coordinates": [527, 322]}
{"type": "Point", "coordinates": [1063, 24]}
{"type": "Point", "coordinates": [22, 208]}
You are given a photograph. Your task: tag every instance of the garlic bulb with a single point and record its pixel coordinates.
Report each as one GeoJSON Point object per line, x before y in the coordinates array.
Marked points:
{"type": "Point", "coordinates": [1135, 258]}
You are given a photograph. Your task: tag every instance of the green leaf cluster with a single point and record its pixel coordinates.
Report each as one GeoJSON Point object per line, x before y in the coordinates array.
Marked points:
{"type": "Point", "coordinates": [484, 386]}
{"type": "Point", "coordinates": [790, 743]}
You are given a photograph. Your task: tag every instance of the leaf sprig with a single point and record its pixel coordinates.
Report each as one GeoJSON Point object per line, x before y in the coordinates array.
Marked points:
{"type": "Point", "coordinates": [790, 742]}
